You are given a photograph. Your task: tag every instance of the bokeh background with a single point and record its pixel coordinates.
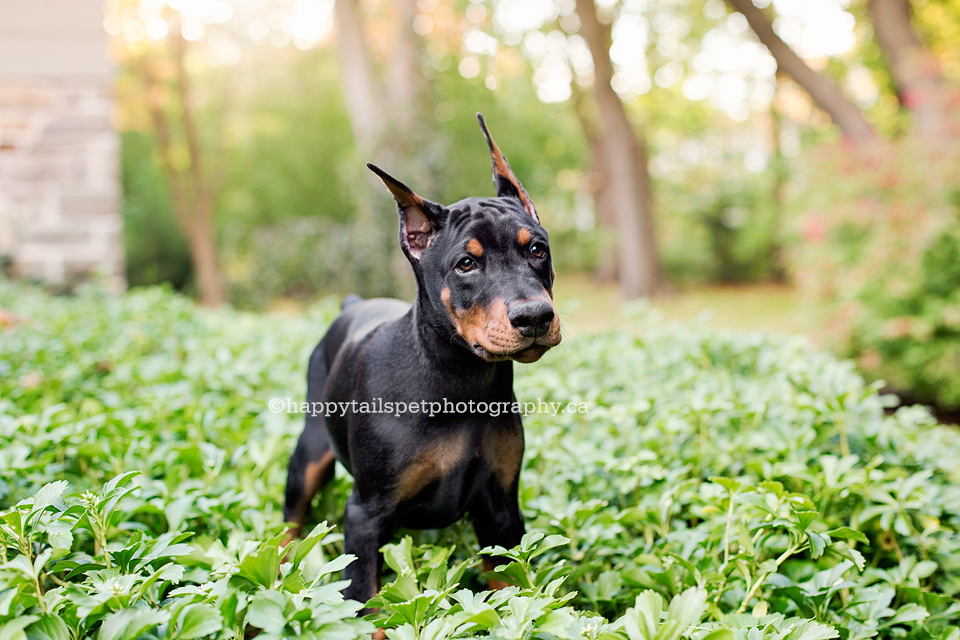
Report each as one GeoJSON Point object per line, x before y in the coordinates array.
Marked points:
{"type": "Point", "coordinates": [790, 165]}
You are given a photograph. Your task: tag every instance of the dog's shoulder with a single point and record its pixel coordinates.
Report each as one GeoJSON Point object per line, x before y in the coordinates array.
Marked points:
{"type": "Point", "coordinates": [360, 318]}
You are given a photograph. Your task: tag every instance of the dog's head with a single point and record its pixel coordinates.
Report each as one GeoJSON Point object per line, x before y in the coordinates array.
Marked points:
{"type": "Point", "coordinates": [483, 264]}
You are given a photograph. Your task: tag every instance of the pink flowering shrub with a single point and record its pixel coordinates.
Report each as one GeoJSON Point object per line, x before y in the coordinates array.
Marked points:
{"type": "Point", "coordinates": [877, 239]}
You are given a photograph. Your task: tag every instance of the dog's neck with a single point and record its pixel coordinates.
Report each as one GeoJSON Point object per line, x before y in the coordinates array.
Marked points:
{"type": "Point", "coordinates": [434, 336]}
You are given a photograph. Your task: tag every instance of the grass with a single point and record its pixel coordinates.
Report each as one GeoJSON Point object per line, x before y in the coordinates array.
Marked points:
{"type": "Point", "coordinates": [586, 306]}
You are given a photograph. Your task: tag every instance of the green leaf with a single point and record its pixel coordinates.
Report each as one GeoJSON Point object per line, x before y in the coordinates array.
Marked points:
{"type": "Point", "coordinates": [48, 495]}
{"type": "Point", "coordinates": [49, 627]}
{"type": "Point", "coordinates": [261, 566]}
{"type": "Point", "coordinates": [730, 484]}
{"type": "Point", "coordinates": [266, 611]}
{"type": "Point", "coordinates": [198, 620]}
{"type": "Point", "coordinates": [817, 542]}
{"type": "Point", "coordinates": [642, 621]}
{"type": "Point", "coordinates": [551, 542]}
{"type": "Point", "coordinates": [685, 610]}
{"type": "Point", "coordinates": [13, 629]}
{"type": "Point", "coordinates": [304, 546]}
{"type": "Point", "coordinates": [337, 564]}
{"type": "Point", "coordinates": [399, 556]}
{"type": "Point", "coordinates": [811, 630]}
{"type": "Point", "coordinates": [60, 534]}
{"type": "Point", "coordinates": [129, 624]}
{"type": "Point", "coordinates": [851, 554]}
{"type": "Point", "coordinates": [908, 613]}
{"type": "Point", "coordinates": [513, 573]}
{"type": "Point", "coordinates": [846, 533]}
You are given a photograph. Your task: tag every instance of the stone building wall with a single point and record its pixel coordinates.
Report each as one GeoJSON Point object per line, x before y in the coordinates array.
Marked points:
{"type": "Point", "coordinates": [60, 212]}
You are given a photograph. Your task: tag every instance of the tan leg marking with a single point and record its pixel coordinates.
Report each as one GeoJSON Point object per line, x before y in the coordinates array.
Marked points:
{"type": "Point", "coordinates": [313, 475]}
{"type": "Point", "coordinates": [503, 452]}
{"type": "Point", "coordinates": [496, 585]}
{"type": "Point", "coordinates": [435, 463]}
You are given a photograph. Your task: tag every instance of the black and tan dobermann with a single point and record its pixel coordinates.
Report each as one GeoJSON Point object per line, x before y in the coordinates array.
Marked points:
{"type": "Point", "coordinates": [484, 299]}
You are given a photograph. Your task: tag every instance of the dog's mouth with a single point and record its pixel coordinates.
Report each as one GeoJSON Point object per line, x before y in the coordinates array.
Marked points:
{"type": "Point", "coordinates": [531, 352]}
{"type": "Point", "coordinates": [490, 334]}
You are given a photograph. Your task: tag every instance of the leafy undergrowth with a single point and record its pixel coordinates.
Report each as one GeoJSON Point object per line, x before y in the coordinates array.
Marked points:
{"type": "Point", "coordinates": [720, 486]}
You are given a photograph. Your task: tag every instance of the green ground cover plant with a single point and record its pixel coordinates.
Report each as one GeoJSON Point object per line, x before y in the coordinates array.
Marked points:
{"type": "Point", "coordinates": [722, 486]}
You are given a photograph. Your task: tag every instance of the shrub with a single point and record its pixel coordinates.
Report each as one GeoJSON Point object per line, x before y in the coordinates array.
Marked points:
{"type": "Point", "coordinates": [726, 234]}
{"type": "Point", "coordinates": [303, 258]}
{"type": "Point", "coordinates": [155, 249]}
{"type": "Point", "coordinates": [720, 486]}
{"type": "Point", "coordinates": [879, 242]}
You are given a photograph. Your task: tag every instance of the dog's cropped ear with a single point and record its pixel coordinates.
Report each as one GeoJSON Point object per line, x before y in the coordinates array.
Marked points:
{"type": "Point", "coordinates": [507, 184]}
{"type": "Point", "coordinates": [419, 217]}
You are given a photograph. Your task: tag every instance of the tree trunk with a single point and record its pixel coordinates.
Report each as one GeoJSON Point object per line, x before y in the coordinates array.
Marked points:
{"type": "Point", "coordinates": [824, 92]}
{"type": "Point", "coordinates": [777, 188]}
{"type": "Point", "coordinates": [406, 130]}
{"type": "Point", "coordinates": [643, 193]}
{"type": "Point", "coordinates": [191, 196]}
{"type": "Point", "coordinates": [384, 135]}
{"type": "Point", "coordinates": [202, 237]}
{"type": "Point", "coordinates": [405, 82]}
{"type": "Point", "coordinates": [915, 73]}
{"type": "Point", "coordinates": [202, 243]}
{"type": "Point", "coordinates": [623, 156]}
{"type": "Point", "coordinates": [604, 212]}
{"type": "Point", "coordinates": [356, 75]}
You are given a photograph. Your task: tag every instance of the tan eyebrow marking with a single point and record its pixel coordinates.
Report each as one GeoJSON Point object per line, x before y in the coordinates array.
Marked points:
{"type": "Point", "coordinates": [474, 248]}
{"type": "Point", "coordinates": [523, 236]}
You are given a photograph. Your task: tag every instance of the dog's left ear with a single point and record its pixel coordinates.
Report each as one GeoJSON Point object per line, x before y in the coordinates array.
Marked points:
{"type": "Point", "coordinates": [507, 184]}
{"type": "Point", "coordinates": [419, 217]}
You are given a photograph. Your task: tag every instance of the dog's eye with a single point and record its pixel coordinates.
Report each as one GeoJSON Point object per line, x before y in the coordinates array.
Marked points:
{"type": "Point", "coordinates": [538, 250]}
{"type": "Point", "coordinates": [466, 264]}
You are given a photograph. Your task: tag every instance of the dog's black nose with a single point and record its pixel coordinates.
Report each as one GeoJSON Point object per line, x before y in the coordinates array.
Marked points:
{"type": "Point", "coordinates": [532, 319]}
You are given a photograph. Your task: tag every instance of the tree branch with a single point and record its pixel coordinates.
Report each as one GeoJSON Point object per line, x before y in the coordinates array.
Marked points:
{"type": "Point", "coordinates": [824, 92]}
{"type": "Point", "coordinates": [915, 72]}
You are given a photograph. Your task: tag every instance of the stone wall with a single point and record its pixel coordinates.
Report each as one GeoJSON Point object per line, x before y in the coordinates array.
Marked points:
{"type": "Point", "coordinates": [60, 213]}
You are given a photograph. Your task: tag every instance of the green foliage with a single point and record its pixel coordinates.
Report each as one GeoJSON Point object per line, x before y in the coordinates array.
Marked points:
{"type": "Point", "coordinates": [303, 257]}
{"type": "Point", "coordinates": [881, 242]}
{"type": "Point", "coordinates": [727, 234]}
{"type": "Point", "coordinates": [290, 145]}
{"type": "Point", "coordinates": [299, 214]}
{"type": "Point", "coordinates": [716, 221]}
{"type": "Point", "coordinates": [155, 249]}
{"type": "Point", "coordinates": [721, 487]}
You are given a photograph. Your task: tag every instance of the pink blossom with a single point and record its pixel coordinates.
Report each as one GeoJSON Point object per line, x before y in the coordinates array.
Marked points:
{"type": "Point", "coordinates": [814, 230]}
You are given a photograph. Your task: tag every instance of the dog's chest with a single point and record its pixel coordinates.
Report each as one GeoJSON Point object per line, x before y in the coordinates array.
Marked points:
{"type": "Point", "coordinates": [436, 486]}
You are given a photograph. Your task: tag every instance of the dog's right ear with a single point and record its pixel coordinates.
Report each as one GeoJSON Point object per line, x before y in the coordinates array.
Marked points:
{"type": "Point", "coordinates": [419, 217]}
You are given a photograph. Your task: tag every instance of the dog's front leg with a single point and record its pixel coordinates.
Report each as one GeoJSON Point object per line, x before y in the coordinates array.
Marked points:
{"type": "Point", "coordinates": [497, 521]}
{"type": "Point", "coordinates": [365, 530]}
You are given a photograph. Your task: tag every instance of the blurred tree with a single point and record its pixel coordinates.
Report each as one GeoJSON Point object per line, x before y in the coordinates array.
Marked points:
{"type": "Point", "coordinates": [821, 88]}
{"type": "Point", "coordinates": [627, 189]}
{"type": "Point", "coordinates": [914, 70]}
{"type": "Point", "coordinates": [192, 185]}
{"type": "Point", "coordinates": [360, 89]}
{"type": "Point", "coordinates": [598, 185]}
{"type": "Point", "coordinates": [412, 73]}
{"type": "Point", "coordinates": [386, 136]}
